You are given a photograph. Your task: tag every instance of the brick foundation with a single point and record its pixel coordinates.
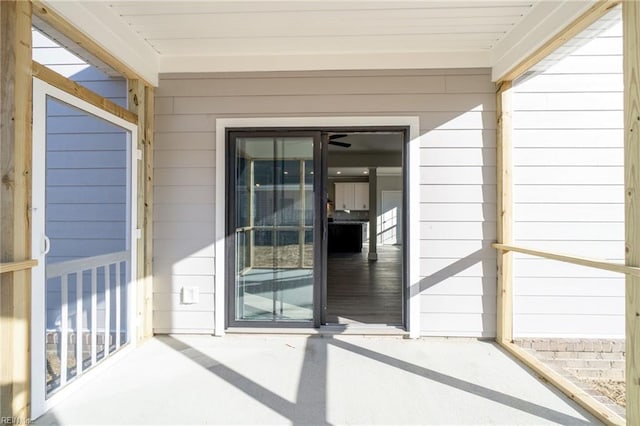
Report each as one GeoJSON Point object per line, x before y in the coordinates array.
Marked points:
{"type": "Point", "coordinates": [583, 361]}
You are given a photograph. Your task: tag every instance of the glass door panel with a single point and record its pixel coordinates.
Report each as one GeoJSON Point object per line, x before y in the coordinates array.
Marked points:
{"type": "Point", "coordinates": [274, 228]}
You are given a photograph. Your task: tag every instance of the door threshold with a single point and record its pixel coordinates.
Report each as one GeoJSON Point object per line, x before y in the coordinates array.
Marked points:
{"type": "Point", "coordinates": [329, 329]}
{"type": "Point", "coordinates": [364, 329]}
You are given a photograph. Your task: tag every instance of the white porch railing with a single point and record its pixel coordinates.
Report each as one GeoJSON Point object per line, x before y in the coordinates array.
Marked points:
{"type": "Point", "coordinates": [78, 267]}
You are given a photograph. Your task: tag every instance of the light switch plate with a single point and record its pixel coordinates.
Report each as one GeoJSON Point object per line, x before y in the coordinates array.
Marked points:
{"type": "Point", "coordinates": [190, 295]}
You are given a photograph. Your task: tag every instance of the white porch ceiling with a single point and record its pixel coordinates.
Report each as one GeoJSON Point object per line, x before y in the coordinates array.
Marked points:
{"type": "Point", "coordinates": [208, 36]}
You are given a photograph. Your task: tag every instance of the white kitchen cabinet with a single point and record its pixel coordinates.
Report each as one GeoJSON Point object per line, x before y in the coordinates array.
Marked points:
{"type": "Point", "coordinates": [352, 196]}
{"type": "Point", "coordinates": [361, 196]}
{"type": "Point", "coordinates": [344, 196]}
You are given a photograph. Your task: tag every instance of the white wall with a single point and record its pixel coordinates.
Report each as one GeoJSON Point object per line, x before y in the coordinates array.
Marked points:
{"type": "Point", "coordinates": [457, 118]}
{"type": "Point", "coordinates": [569, 195]}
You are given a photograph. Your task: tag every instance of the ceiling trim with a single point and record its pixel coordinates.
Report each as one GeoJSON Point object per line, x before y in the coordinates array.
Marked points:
{"type": "Point", "coordinates": [391, 60]}
{"type": "Point", "coordinates": [98, 22]}
{"type": "Point", "coordinates": [539, 26]}
{"type": "Point", "coordinates": [105, 26]}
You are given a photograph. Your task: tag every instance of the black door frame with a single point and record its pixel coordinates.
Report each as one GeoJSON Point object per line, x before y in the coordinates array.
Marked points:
{"type": "Point", "coordinates": [230, 235]}
{"type": "Point", "coordinates": [320, 137]}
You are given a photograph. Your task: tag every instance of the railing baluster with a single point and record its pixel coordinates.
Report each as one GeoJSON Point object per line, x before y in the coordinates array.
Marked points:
{"type": "Point", "coordinates": [94, 315]}
{"type": "Point", "coordinates": [79, 325]}
{"type": "Point", "coordinates": [64, 328]}
{"type": "Point", "coordinates": [107, 309]}
{"type": "Point", "coordinates": [118, 316]}
{"type": "Point", "coordinates": [79, 267]}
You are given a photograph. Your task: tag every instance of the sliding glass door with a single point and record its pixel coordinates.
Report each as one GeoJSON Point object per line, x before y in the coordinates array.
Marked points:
{"type": "Point", "coordinates": [274, 223]}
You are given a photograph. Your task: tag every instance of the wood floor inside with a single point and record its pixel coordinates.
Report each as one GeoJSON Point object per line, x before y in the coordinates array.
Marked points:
{"type": "Point", "coordinates": [360, 291]}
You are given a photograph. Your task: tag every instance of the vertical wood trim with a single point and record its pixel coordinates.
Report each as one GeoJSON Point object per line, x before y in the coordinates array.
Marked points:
{"type": "Point", "coordinates": [136, 105]}
{"type": "Point", "coordinates": [504, 166]}
{"type": "Point", "coordinates": [15, 198]}
{"type": "Point", "coordinates": [149, 104]}
{"type": "Point", "coordinates": [631, 37]}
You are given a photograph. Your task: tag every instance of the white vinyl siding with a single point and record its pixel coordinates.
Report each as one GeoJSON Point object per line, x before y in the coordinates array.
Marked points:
{"type": "Point", "coordinates": [457, 126]}
{"type": "Point", "coordinates": [569, 195]}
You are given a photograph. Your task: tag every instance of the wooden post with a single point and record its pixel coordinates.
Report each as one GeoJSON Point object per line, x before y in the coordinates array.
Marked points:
{"type": "Point", "coordinates": [631, 28]}
{"type": "Point", "coordinates": [137, 106]}
{"type": "Point", "coordinates": [15, 198]}
{"type": "Point", "coordinates": [504, 324]}
{"type": "Point", "coordinates": [149, 101]}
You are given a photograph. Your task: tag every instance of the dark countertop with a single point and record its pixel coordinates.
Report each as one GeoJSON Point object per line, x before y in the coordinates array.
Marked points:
{"type": "Point", "coordinates": [348, 222]}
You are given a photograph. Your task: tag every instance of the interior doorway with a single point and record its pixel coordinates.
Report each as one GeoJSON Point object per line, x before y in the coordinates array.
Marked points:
{"type": "Point", "coordinates": [365, 187]}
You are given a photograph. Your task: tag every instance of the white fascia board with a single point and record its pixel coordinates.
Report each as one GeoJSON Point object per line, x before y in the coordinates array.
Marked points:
{"type": "Point", "coordinates": [320, 62]}
{"type": "Point", "coordinates": [102, 25]}
{"type": "Point", "coordinates": [539, 26]}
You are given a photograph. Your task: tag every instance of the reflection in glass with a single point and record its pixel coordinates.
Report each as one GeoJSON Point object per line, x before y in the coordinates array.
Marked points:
{"type": "Point", "coordinates": [274, 228]}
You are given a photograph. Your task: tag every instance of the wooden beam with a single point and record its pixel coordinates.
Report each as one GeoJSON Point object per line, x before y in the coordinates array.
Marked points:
{"type": "Point", "coordinates": [576, 260]}
{"type": "Point", "coordinates": [149, 100]}
{"type": "Point", "coordinates": [60, 24]}
{"type": "Point", "coordinates": [631, 44]}
{"type": "Point", "coordinates": [137, 106]}
{"type": "Point", "coordinates": [571, 390]}
{"type": "Point", "coordinates": [6, 267]}
{"type": "Point", "coordinates": [594, 13]}
{"type": "Point", "coordinates": [504, 166]}
{"type": "Point", "coordinates": [15, 197]}
{"type": "Point", "coordinates": [61, 82]}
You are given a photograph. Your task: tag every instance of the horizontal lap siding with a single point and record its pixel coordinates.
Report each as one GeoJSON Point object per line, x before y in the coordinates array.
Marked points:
{"type": "Point", "coordinates": [86, 164]}
{"type": "Point", "coordinates": [569, 195]}
{"type": "Point", "coordinates": [457, 177]}
{"type": "Point", "coordinates": [86, 192]}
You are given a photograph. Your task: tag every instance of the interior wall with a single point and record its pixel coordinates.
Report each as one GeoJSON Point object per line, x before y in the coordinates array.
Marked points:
{"type": "Point", "coordinates": [569, 191]}
{"type": "Point", "coordinates": [457, 219]}
{"type": "Point", "coordinates": [387, 183]}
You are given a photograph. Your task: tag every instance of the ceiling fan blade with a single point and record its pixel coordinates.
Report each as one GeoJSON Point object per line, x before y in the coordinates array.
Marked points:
{"type": "Point", "coordinates": [337, 136]}
{"type": "Point", "coordinates": [342, 144]}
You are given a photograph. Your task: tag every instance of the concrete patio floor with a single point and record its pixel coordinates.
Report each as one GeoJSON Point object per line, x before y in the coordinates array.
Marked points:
{"type": "Point", "coordinates": [297, 379]}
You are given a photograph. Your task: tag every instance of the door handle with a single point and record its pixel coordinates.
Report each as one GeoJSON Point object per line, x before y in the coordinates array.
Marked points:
{"type": "Point", "coordinates": [47, 244]}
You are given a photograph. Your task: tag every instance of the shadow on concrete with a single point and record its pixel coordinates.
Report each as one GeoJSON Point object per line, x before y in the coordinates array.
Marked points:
{"type": "Point", "coordinates": [310, 405]}
{"type": "Point", "coordinates": [311, 401]}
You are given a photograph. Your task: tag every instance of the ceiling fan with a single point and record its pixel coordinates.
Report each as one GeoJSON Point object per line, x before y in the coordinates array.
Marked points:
{"type": "Point", "coordinates": [333, 141]}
